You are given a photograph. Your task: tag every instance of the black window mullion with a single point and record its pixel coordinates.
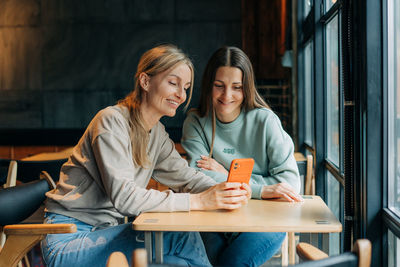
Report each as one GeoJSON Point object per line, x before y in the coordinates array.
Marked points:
{"type": "Point", "coordinates": [319, 98]}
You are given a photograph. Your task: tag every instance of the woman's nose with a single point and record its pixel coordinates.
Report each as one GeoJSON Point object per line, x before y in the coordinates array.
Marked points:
{"type": "Point", "coordinates": [227, 93]}
{"type": "Point", "coordinates": [181, 93]}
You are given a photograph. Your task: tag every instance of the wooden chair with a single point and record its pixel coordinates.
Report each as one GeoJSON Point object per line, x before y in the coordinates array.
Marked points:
{"type": "Point", "coordinates": [26, 171]}
{"type": "Point", "coordinates": [309, 183]}
{"type": "Point", "coordinates": [306, 169]}
{"type": "Point", "coordinates": [359, 257]}
{"type": "Point", "coordinates": [139, 259]}
{"type": "Point", "coordinates": [118, 259]}
{"type": "Point", "coordinates": [18, 203]}
{"type": "Point", "coordinates": [8, 170]}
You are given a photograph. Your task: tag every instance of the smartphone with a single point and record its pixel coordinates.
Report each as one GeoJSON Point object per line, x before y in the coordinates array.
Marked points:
{"type": "Point", "coordinates": [240, 170]}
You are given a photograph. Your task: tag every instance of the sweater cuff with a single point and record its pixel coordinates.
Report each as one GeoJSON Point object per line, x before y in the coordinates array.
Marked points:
{"type": "Point", "coordinates": [256, 191]}
{"type": "Point", "coordinates": [217, 176]}
{"type": "Point", "coordinates": [182, 202]}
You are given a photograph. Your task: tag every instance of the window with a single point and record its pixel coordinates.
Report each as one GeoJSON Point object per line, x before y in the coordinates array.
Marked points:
{"type": "Point", "coordinates": [321, 104]}
{"type": "Point", "coordinates": [329, 4]}
{"type": "Point", "coordinates": [394, 106]}
{"type": "Point", "coordinates": [334, 200]}
{"type": "Point", "coordinates": [306, 7]}
{"type": "Point", "coordinates": [394, 250]}
{"type": "Point", "coordinates": [332, 89]}
{"type": "Point", "coordinates": [308, 91]}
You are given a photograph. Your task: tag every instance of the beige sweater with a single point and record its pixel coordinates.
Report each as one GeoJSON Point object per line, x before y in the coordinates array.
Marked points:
{"type": "Point", "coordinates": [100, 184]}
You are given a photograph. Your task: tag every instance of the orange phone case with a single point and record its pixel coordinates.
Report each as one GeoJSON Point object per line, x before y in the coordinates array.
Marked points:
{"type": "Point", "coordinates": [240, 170]}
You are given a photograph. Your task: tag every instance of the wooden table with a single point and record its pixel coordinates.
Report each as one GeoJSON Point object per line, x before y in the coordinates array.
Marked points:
{"type": "Point", "coordinates": [310, 216]}
{"type": "Point", "coordinates": [63, 154]}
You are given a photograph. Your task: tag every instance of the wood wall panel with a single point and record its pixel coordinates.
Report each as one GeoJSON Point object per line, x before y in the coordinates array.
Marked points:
{"type": "Point", "coordinates": [20, 152]}
{"type": "Point", "coordinates": [262, 35]}
{"type": "Point", "coordinates": [5, 152]}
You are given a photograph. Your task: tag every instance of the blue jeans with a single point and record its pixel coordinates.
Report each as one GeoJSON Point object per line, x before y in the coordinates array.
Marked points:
{"type": "Point", "coordinates": [246, 249]}
{"type": "Point", "coordinates": [92, 247]}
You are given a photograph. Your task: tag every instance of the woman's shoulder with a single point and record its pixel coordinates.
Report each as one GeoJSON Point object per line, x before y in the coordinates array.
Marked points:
{"type": "Point", "coordinates": [261, 114]}
{"type": "Point", "coordinates": [113, 111]}
{"type": "Point", "coordinates": [193, 117]}
{"type": "Point", "coordinates": [193, 113]}
{"type": "Point", "coordinates": [111, 117]}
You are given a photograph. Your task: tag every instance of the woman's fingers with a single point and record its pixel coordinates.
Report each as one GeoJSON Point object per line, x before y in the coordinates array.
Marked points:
{"type": "Point", "coordinates": [248, 189]}
{"type": "Point", "coordinates": [203, 164]}
{"type": "Point", "coordinates": [289, 192]}
{"type": "Point", "coordinates": [225, 196]}
{"type": "Point", "coordinates": [207, 163]}
{"type": "Point", "coordinates": [282, 190]}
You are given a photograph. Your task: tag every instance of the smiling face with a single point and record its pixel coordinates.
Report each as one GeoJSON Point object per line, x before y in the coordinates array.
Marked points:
{"type": "Point", "coordinates": [164, 92]}
{"type": "Point", "coordinates": [227, 93]}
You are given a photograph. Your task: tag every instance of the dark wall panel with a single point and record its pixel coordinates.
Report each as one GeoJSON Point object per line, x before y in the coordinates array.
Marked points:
{"type": "Point", "coordinates": [63, 60]}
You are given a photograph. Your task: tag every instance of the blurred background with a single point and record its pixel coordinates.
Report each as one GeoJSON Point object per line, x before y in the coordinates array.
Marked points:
{"type": "Point", "coordinates": [61, 61]}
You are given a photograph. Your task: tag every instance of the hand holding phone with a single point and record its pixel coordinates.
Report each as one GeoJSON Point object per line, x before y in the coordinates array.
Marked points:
{"type": "Point", "coordinates": [240, 170]}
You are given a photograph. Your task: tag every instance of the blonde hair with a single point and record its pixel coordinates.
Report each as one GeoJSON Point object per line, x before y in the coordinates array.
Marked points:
{"type": "Point", "coordinates": [228, 56]}
{"type": "Point", "coordinates": [152, 62]}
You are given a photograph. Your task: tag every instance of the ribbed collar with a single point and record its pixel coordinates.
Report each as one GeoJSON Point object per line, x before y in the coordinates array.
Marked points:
{"type": "Point", "coordinates": [233, 124]}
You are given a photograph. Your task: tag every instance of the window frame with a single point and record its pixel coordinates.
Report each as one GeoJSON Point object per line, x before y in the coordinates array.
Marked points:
{"type": "Point", "coordinates": [391, 219]}
{"type": "Point", "coordinates": [312, 29]}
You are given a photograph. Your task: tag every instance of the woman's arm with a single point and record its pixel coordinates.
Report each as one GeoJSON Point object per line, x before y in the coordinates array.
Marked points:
{"type": "Point", "coordinates": [197, 146]}
{"type": "Point", "coordinates": [283, 179]}
{"type": "Point", "coordinates": [221, 196]}
{"type": "Point", "coordinates": [125, 184]}
{"type": "Point", "coordinates": [174, 171]}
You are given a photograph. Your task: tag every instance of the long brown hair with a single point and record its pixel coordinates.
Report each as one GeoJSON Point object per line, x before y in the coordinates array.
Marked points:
{"type": "Point", "coordinates": [228, 56]}
{"type": "Point", "coordinates": [152, 62]}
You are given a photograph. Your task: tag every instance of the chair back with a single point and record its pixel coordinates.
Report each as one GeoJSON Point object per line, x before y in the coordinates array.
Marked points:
{"type": "Point", "coordinates": [359, 257]}
{"type": "Point", "coordinates": [30, 170]}
{"type": "Point", "coordinates": [4, 163]}
{"type": "Point", "coordinates": [347, 259]}
{"type": "Point", "coordinates": [306, 171]}
{"type": "Point", "coordinates": [20, 202]}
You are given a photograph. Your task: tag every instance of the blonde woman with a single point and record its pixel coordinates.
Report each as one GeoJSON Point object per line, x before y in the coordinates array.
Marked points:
{"type": "Point", "coordinates": [105, 179]}
{"type": "Point", "coordinates": [233, 121]}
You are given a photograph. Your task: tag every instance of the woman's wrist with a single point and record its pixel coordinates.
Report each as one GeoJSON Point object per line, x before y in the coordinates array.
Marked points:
{"type": "Point", "coordinates": [195, 202]}
{"type": "Point", "coordinates": [264, 192]}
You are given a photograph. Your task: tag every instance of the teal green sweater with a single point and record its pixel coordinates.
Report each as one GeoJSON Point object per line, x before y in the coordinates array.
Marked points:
{"type": "Point", "coordinates": [254, 134]}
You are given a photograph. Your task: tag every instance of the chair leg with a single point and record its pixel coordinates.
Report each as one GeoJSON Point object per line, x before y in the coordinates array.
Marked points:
{"type": "Point", "coordinates": [2, 239]}
{"type": "Point", "coordinates": [26, 260]}
{"type": "Point", "coordinates": [16, 247]}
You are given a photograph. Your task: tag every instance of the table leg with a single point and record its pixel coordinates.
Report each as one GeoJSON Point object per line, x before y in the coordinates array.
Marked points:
{"type": "Point", "coordinates": [159, 246]}
{"type": "Point", "coordinates": [284, 251]}
{"type": "Point", "coordinates": [292, 248]}
{"type": "Point", "coordinates": [148, 245]}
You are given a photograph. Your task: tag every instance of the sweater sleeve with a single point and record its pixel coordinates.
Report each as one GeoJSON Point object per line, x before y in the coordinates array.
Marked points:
{"type": "Point", "coordinates": [117, 171]}
{"type": "Point", "coordinates": [172, 170]}
{"type": "Point", "coordinates": [282, 166]}
{"type": "Point", "coordinates": [195, 143]}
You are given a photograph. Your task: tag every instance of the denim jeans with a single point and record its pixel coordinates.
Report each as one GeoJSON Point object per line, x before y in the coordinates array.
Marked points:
{"type": "Point", "coordinates": [92, 247]}
{"type": "Point", "coordinates": [246, 249]}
